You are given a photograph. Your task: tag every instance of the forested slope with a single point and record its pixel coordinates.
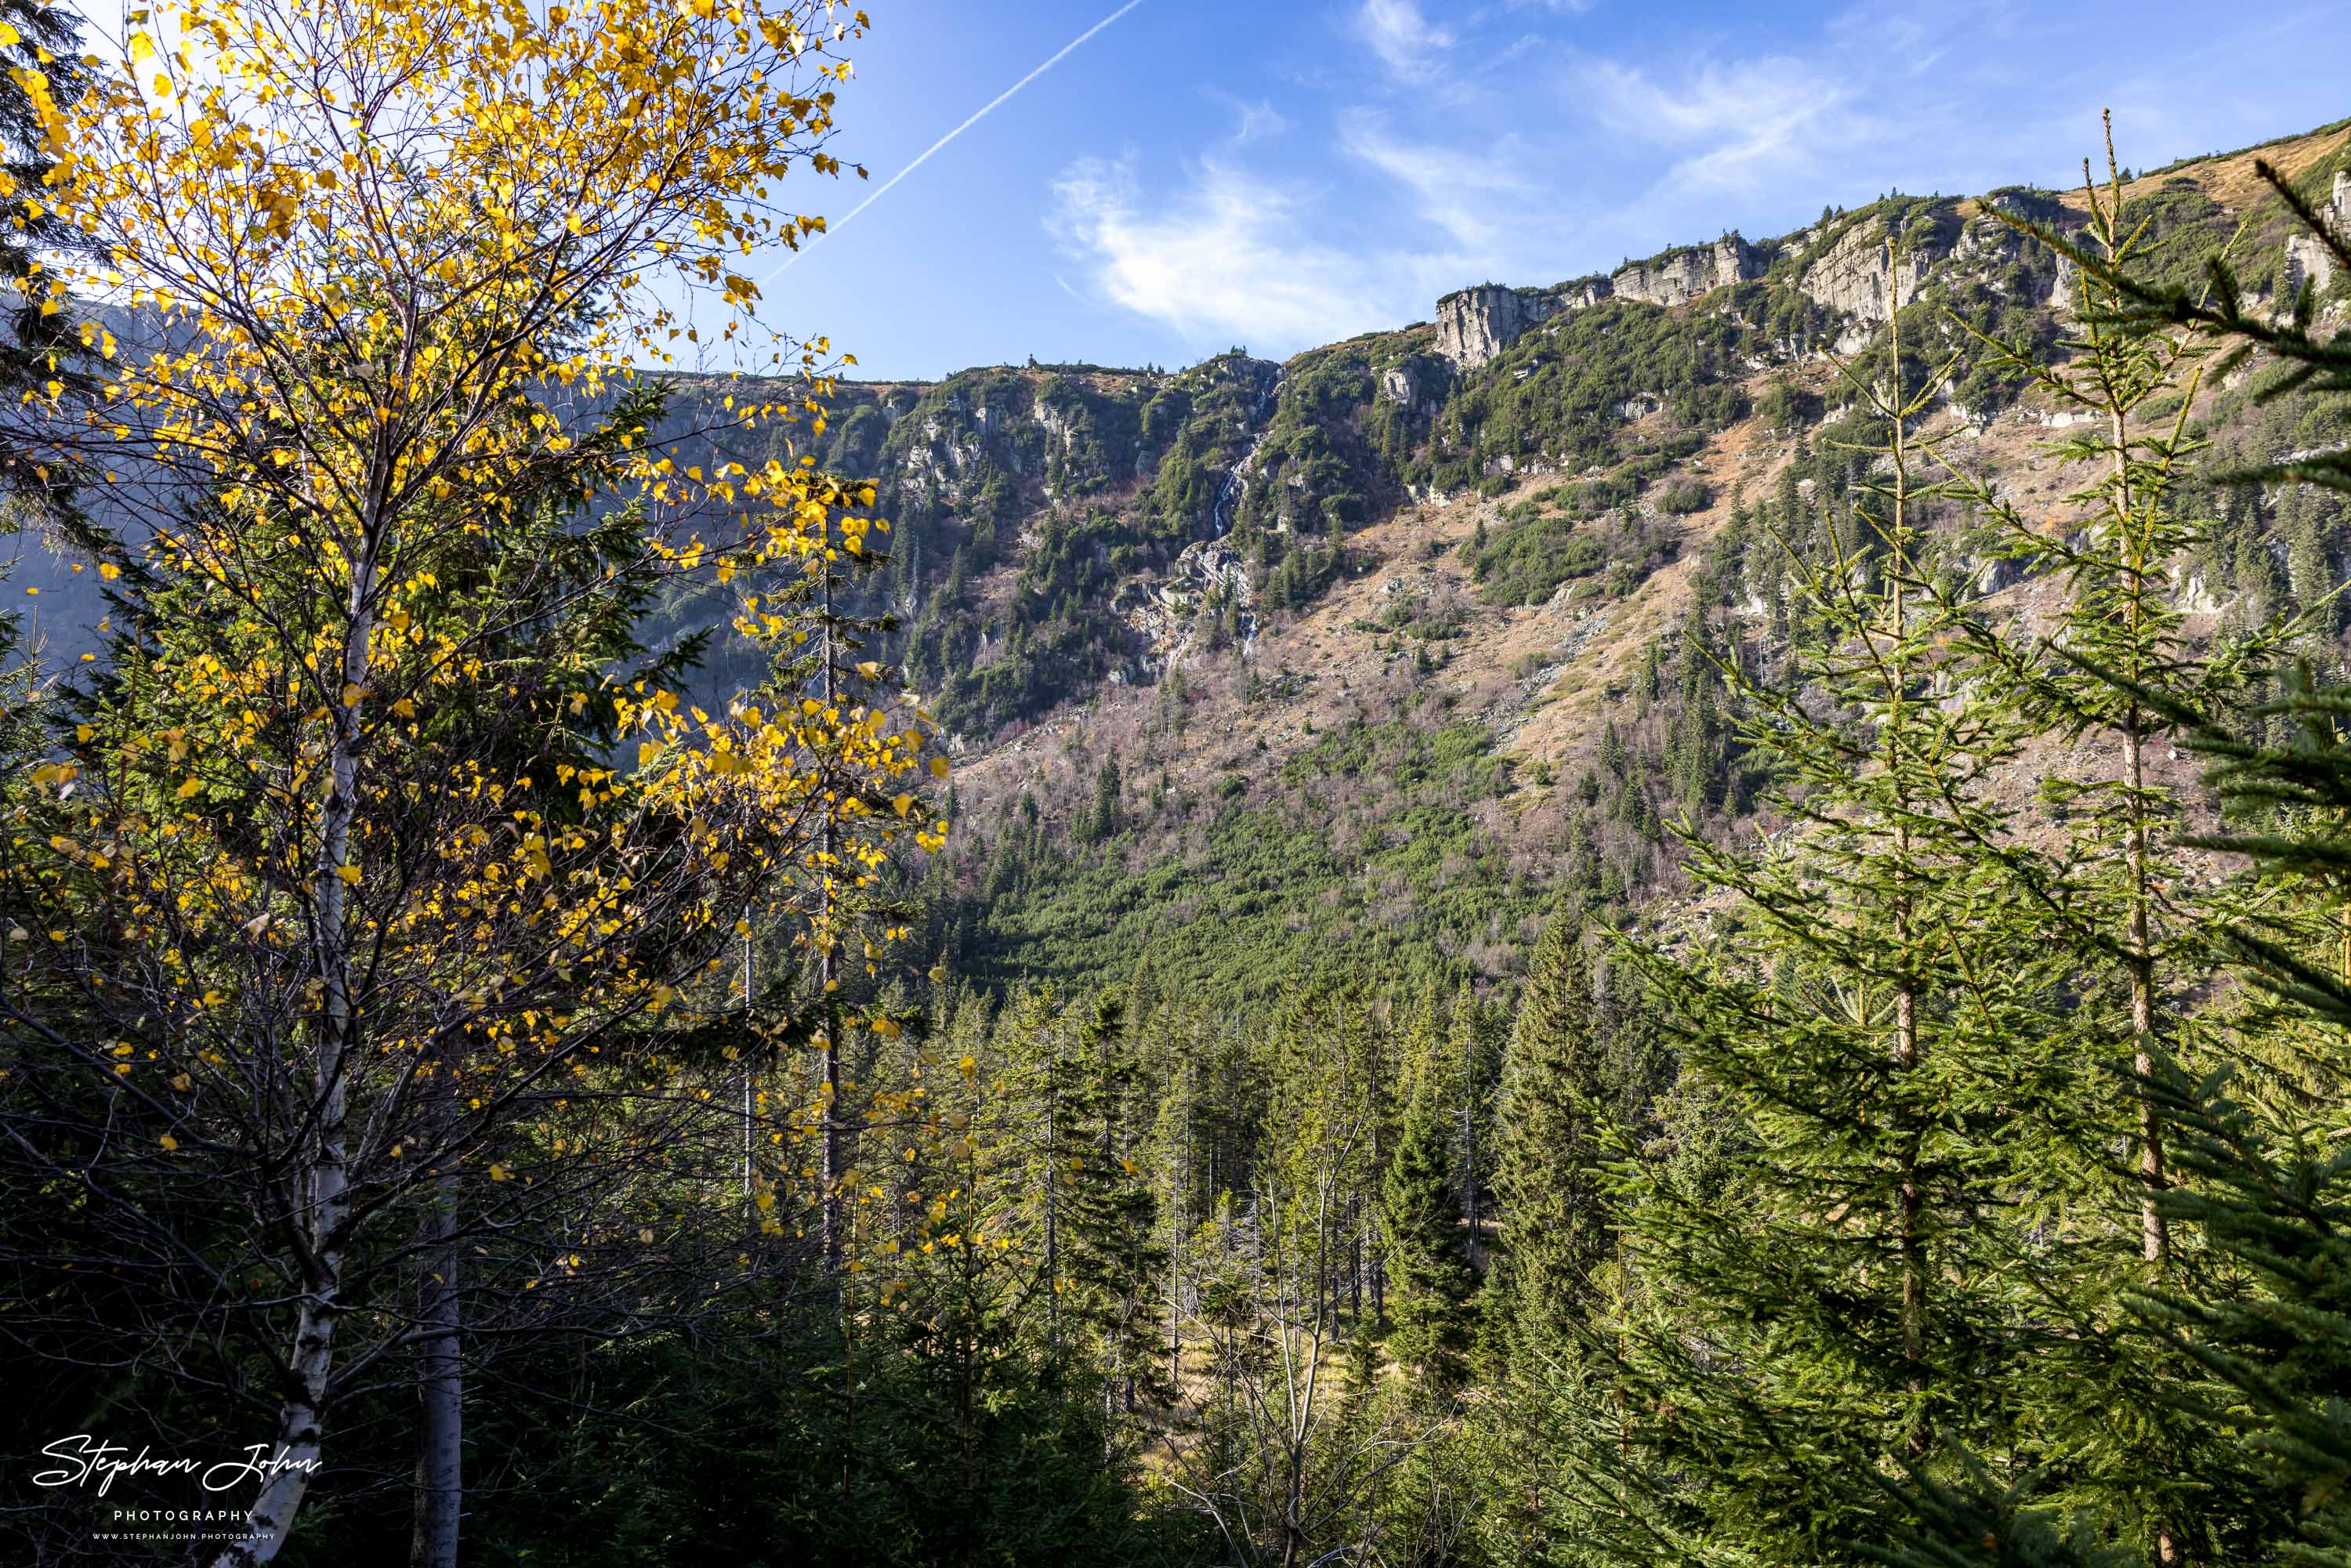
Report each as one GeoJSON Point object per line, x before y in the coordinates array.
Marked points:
{"type": "Point", "coordinates": [1369, 656]}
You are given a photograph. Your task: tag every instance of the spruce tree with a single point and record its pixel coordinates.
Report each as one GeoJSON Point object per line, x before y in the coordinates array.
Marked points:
{"type": "Point", "coordinates": [1554, 1219]}
{"type": "Point", "coordinates": [2253, 1294]}
{"type": "Point", "coordinates": [2118, 667]}
{"type": "Point", "coordinates": [1104, 820]}
{"type": "Point", "coordinates": [1430, 1280]}
{"type": "Point", "coordinates": [1840, 1283]}
{"type": "Point", "coordinates": [1115, 1256]}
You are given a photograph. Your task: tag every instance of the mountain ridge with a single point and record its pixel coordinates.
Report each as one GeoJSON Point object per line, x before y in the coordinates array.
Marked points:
{"type": "Point", "coordinates": [1529, 544]}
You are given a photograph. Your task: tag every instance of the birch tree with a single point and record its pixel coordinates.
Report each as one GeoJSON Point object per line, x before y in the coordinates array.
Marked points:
{"type": "Point", "coordinates": [401, 268]}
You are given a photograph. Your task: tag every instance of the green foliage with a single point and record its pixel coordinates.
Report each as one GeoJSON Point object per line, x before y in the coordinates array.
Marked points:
{"type": "Point", "coordinates": [1557, 394]}
{"type": "Point", "coordinates": [1944, 1176]}
{"type": "Point", "coordinates": [933, 1439]}
{"type": "Point", "coordinates": [1427, 1253]}
{"type": "Point", "coordinates": [1835, 1291]}
{"type": "Point", "coordinates": [1314, 471]}
{"type": "Point", "coordinates": [1269, 892]}
{"type": "Point", "coordinates": [1527, 561]}
{"type": "Point", "coordinates": [1685, 495]}
{"type": "Point", "coordinates": [1556, 1089]}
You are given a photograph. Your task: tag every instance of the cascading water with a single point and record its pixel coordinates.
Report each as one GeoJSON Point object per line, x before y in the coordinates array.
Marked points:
{"type": "Point", "coordinates": [1220, 516]}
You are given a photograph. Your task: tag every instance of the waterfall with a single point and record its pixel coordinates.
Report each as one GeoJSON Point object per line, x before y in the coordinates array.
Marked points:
{"type": "Point", "coordinates": [1220, 517]}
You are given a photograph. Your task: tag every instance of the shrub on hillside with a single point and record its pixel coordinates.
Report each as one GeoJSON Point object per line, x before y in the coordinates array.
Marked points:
{"type": "Point", "coordinates": [1685, 495]}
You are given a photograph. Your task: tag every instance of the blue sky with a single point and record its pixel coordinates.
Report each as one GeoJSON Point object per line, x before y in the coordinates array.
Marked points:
{"type": "Point", "coordinates": [1212, 172]}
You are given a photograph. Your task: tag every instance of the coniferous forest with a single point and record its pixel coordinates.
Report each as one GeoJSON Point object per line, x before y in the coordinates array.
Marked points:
{"type": "Point", "coordinates": [575, 988]}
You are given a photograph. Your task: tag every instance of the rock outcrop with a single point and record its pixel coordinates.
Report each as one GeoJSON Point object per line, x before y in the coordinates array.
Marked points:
{"type": "Point", "coordinates": [1853, 275]}
{"type": "Point", "coordinates": [1477, 324]}
{"type": "Point", "coordinates": [2307, 259]}
{"type": "Point", "coordinates": [2005, 260]}
{"type": "Point", "coordinates": [1584, 293]}
{"type": "Point", "coordinates": [1418, 382]}
{"type": "Point", "coordinates": [1168, 616]}
{"type": "Point", "coordinates": [1684, 275]}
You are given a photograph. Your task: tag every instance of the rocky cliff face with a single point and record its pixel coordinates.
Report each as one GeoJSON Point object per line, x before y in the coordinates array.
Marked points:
{"type": "Point", "coordinates": [1986, 243]}
{"type": "Point", "coordinates": [1477, 324]}
{"type": "Point", "coordinates": [1872, 270]}
{"type": "Point", "coordinates": [1101, 526]}
{"type": "Point", "coordinates": [1067, 433]}
{"type": "Point", "coordinates": [1474, 326]}
{"type": "Point", "coordinates": [1166, 615]}
{"type": "Point", "coordinates": [2307, 260]}
{"type": "Point", "coordinates": [1684, 275]}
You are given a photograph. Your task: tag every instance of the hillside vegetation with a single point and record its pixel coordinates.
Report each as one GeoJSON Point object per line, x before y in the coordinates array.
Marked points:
{"type": "Point", "coordinates": [1696, 916]}
{"type": "Point", "coordinates": [1550, 549]}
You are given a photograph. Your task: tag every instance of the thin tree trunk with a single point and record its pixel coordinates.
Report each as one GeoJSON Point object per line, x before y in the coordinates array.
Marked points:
{"type": "Point", "coordinates": [322, 1206]}
{"type": "Point", "coordinates": [1176, 1218]}
{"type": "Point", "coordinates": [2155, 1243]}
{"type": "Point", "coordinates": [835, 1174]}
{"type": "Point", "coordinates": [440, 1430]}
{"type": "Point", "coordinates": [1470, 1166]}
{"type": "Point", "coordinates": [1906, 999]}
{"type": "Point", "coordinates": [1052, 1160]}
{"type": "Point", "coordinates": [2154, 1238]}
{"type": "Point", "coordinates": [751, 1075]}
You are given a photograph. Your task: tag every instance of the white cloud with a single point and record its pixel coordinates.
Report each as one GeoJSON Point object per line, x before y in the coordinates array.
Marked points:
{"type": "Point", "coordinates": [1251, 121]}
{"type": "Point", "coordinates": [1231, 257]}
{"type": "Point", "coordinates": [1774, 114]}
{"type": "Point", "coordinates": [1401, 36]}
{"type": "Point", "coordinates": [1632, 154]}
{"type": "Point", "coordinates": [1476, 196]}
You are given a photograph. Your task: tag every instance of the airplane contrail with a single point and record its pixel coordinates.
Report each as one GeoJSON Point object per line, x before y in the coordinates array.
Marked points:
{"type": "Point", "coordinates": [986, 109]}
